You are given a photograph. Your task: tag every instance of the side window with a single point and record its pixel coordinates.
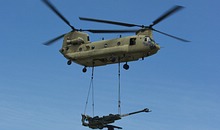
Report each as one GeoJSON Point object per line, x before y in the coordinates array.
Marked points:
{"type": "Point", "coordinates": [87, 48]}
{"type": "Point", "coordinates": [132, 41]}
{"type": "Point", "coordinates": [88, 38]}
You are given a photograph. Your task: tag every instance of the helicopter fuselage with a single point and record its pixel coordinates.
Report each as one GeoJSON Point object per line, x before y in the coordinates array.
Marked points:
{"type": "Point", "coordinates": [77, 48]}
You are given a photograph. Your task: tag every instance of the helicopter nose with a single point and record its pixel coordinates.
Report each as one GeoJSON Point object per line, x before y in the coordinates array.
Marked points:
{"type": "Point", "coordinates": [157, 47]}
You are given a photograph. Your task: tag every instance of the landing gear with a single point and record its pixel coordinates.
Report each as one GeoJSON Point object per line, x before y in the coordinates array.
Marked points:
{"type": "Point", "coordinates": [84, 69]}
{"type": "Point", "coordinates": [69, 62]}
{"type": "Point", "coordinates": [126, 66]}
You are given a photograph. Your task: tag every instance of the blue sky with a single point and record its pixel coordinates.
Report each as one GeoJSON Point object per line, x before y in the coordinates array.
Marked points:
{"type": "Point", "coordinates": [180, 84]}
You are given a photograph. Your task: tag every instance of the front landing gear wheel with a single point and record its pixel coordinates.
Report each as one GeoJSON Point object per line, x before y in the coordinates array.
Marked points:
{"type": "Point", "coordinates": [84, 70]}
{"type": "Point", "coordinates": [69, 62]}
{"type": "Point", "coordinates": [126, 66]}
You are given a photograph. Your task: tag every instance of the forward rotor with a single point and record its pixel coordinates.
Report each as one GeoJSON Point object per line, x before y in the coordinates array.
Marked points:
{"type": "Point", "coordinates": [53, 8]}
{"type": "Point", "coordinates": [158, 20]}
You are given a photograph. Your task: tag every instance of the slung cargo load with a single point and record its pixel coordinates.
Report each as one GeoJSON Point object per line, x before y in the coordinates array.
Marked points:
{"type": "Point", "coordinates": [103, 122]}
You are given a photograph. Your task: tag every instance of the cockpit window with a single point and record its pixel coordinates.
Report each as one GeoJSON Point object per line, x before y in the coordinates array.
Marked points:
{"type": "Point", "coordinates": [145, 39]}
{"type": "Point", "coordinates": [149, 40]}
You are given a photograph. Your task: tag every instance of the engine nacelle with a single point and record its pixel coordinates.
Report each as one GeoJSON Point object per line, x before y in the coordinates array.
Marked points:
{"type": "Point", "coordinates": [76, 41]}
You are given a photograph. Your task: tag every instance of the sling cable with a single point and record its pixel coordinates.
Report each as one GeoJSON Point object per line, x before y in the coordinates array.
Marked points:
{"type": "Point", "coordinates": [103, 122]}
{"type": "Point", "coordinates": [91, 88]}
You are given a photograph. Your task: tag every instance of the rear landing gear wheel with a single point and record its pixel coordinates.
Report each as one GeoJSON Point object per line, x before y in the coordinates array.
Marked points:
{"type": "Point", "coordinates": [84, 70]}
{"type": "Point", "coordinates": [126, 66]}
{"type": "Point", "coordinates": [69, 62]}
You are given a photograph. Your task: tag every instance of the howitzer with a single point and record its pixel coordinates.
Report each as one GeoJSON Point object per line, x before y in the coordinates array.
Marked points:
{"type": "Point", "coordinates": [103, 122]}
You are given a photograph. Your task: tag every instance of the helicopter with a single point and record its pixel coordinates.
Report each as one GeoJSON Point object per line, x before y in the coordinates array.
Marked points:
{"type": "Point", "coordinates": [78, 48]}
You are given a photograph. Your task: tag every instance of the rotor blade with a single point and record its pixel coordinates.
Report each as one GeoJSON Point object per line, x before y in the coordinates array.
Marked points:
{"type": "Point", "coordinates": [53, 40]}
{"type": "Point", "coordinates": [110, 31]}
{"type": "Point", "coordinates": [110, 22]}
{"type": "Point", "coordinates": [183, 40]}
{"type": "Point", "coordinates": [166, 14]}
{"type": "Point", "coordinates": [57, 13]}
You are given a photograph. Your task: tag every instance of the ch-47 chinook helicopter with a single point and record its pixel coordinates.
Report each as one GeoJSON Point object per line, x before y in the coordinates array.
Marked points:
{"type": "Point", "coordinates": [78, 48]}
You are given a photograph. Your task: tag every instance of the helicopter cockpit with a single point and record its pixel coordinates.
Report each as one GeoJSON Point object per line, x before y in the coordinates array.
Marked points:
{"type": "Point", "coordinates": [148, 41]}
